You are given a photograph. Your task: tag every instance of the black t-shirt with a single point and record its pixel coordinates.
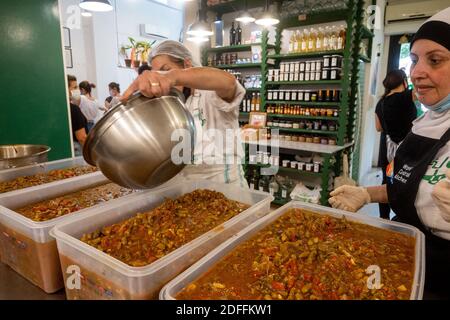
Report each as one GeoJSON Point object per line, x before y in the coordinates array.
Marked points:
{"type": "Point", "coordinates": [396, 113]}
{"type": "Point", "coordinates": [78, 120]}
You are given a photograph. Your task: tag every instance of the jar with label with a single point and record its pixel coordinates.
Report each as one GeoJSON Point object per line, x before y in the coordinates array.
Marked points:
{"type": "Point", "coordinates": [301, 125]}
{"type": "Point", "coordinates": [295, 138]}
{"type": "Point", "coordinates": [269, 123]}
{"type": "Point", "coordinates": [335, 74]}
{"type": "Point", "coordinates": [309, 125]}
{"type": "Point", "coordinates": [301, 166]}
{"type": "Point", "coordinates": [316, 140]}
{"type": "Point", "coordinates": [313, 96]}
{"type": "Point", "coordinates": [269, 95]}
{"type": "Point", "coordinates": [293, 164]}
{"type": "Point", "coordinates": [287, 138]}
{"type": "Point", "coordinates": [332, 141]}
{"type": "Point", "coordinates": [323, 112]}
{"type": "Point", "coordinates": [330, 112]}
{"type": "Point", "coordinates": [313, 66]}
{"type": "Point", "coordinates": [307, 76]}
{"type": "Point", "coordinates": [289, 124]}
{"type": "Point", "coordinates": [318, 75]}
{"type": "Point", "coordinates": [276, 123]}
{"type": "Point", "coordinates": [302, 67]}
{"type": "Point", "coordinates": [287, 96]}
{"type": "Point", "coordinates": [275, 94]}
{"type": "Point", "coordinates": [324, 127]}
{"type": "Point", "coordinates": [307, 66]}
{"type": "Point", "coordinates": [312, 76]}
{"type": "Point", "coordinates": [318, 65]}
{"type": "Point", "coordinates": [323, 141]}
{"type": "Point", "coordinates": [301, 139]}
{"type": "Point", "coordinates": [273, 187]}
{"type": "Point", "coordinates": [294, 95]}
{"type": "Point", "coordinates": [307, 96]}
{"type": "Point", "coordinates": [316, 167]}
{"type": "Point", "coordinates": [309, 167]}
{"type": "Point", "coordinates": [281, 95]}
{"type": "Point", "coordinates": [301, 76]}
{"type": "Point", "coordinates": [309, 140]}
{"type": "Point", "coordinates": [286, 163]}
{"type": "Point", "coordinates": [326, 73]}
{"type": "Point", "coordinates": [284, 192]}
{"type": "Point", "coordinates": [316, 125]}
{"type": "Point", "coordinates": [296, 125]}
{"type": "Point", "coordinates": [259, 156]}
{"type": "Point", "coordinates": [300, 95]}
{"type": "Point", "coordinates": [332, 127]}
{"type": "Point", "coordinates": [336, 61]}
{"type": "Point", "coordinates": [252, 158]}
{"type": "Point", "coordinates": [326, 62]}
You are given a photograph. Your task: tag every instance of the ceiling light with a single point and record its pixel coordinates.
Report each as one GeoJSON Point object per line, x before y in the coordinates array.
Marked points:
{"type": "Point", "coordinates": [245, 17]}
{"type": "Point", "coordinates": [199, 29]}
{"type": "Point", "coordinates": [96, 5]}
{"type": "Point", "coordinates": [197, 39]}
{"type": "Point", "coordinates": [267, 18]}
{"type": "Point", "coordinates": [86, 14]}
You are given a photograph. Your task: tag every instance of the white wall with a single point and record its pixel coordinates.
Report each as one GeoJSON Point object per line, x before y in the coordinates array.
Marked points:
{"type": "Point", "coordinates": [96, 40]}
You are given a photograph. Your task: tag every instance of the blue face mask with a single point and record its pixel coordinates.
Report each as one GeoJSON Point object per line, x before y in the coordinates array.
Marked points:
{"type": "Point", "coordinates": [441, 106]}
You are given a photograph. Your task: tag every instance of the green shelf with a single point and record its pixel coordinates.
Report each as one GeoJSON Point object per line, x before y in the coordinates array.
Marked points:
{"type": "Point", "coordinates": [237, 66]}
{"type": "Point", "coordinates": [253, 89]}
{"type": "Point", "coordinates": [280, 202]}
{"type": "Point", "coordinates": [364, 58]}
{"type": "Point", "coordinates": [291, 170]}
{"type": "Point", "coordinates": [304, 103]}
{"type": "Point", "coordinates": [366, 33]}
{"type": "Point", "coordinates": [304, 82]}
{"type": "Point", "coordinates": [334, 133]}
{"type": "Point", "coordinates": [237, 48]}
{"type": "Point", "coordinates": [304, 55]}
{"type": "Point", "coordinates": [244, 113]}
{"type": "Point", "coordinates": [287, 116]}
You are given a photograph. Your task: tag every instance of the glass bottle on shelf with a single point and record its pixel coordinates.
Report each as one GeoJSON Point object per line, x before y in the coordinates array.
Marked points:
{"type": "Point", "coordinates": [304, 47]}
{"type": "Point", "coordinates": [312, 40]}
{"type": "Point", "coordinates": [263, 184]}
{"type": "Point", "coordinates": [326, 39]}
{"type": "Point", "coordinates": [292, 42]}
{"type": "Point", "coordinates": [297, 41]}
{"type": "Point", "coordinates": [239, 34]}
{"type": "Point", "coordinates": [253, 181]}
{"type": "Point", "coordinates": [341, 38]}
{"type": "Point", "coordinates": [257, 102]}
{"type": "Point", "coordinates": [284, 191]}
{"type": "Point", "coordinates": [333, 38]}
{"type": "Point", "coordinates": [232, 35]}
{"type": "Point", "coordinates": [319, 41]}
{"type": "Point", "coordinates": [274, 187]}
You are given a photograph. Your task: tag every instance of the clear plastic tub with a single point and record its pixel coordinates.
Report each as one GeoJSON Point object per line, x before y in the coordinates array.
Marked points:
{"type": "Point", "coordinates": [10, 174]}
{"type": "Point", "coordinates": [104, 277]}
{"type": "Point", "coordinates": [175, 286]}
{"type": "Point", "coordinates": [25, 245]}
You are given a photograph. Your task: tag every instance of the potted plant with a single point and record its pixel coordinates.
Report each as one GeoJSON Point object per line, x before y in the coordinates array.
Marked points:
{"type": "Point", "coordinates": [144, 48]}
{"type": "Point", "coordinates": [123, 53]}
{"type": "Point", "coordinates": [135, 52]}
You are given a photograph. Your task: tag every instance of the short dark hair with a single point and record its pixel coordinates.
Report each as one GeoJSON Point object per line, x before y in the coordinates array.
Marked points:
{"type": "Point", "coordinates": [393, 79]}
{"type": "Point", "coordinates": [70, 78]}
{"type": "Point", "coordinates": [114, 85]}
{"type": "Point", "coordinates": [87, 86]}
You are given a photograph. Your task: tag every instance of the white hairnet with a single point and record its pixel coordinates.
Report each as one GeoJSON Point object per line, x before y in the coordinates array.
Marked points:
{"type": "Point", "coordinates": [174, 49]}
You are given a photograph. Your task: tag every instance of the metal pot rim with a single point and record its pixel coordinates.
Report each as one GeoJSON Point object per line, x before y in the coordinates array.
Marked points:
{"type": "Point", "coordinates": [46, 150]}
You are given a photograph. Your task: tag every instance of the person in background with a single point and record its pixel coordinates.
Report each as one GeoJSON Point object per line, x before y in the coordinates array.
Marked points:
{"type": "Point", "coordinates": [212, 96]}
{"type": "Point", "coordinates": [114, 95]}
{"type": "Point", "coordinates": [394, 115]}
{"type": "Point", "coordinates": [90, 107]}
{"type": "Point", "coordinates": [78, 120]}
{"type": "Point", "coordinates": [418, 180]}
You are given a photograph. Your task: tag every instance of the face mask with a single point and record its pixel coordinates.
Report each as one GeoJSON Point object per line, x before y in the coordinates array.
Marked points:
{"type": "Point", "coordinates": [441, 106]}
{"type": "Point", "coordinates": [76, 94]}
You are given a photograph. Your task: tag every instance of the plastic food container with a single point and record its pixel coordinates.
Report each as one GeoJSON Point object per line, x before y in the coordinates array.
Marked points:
{"type": "Point", "coordinates": [10, 174]}
{"type": "Point", "coordinates": [206, 263]}
{"type": "Point", "coordinates": [25, 245]}
{"type": "Point", "coordinates": [104, 277]}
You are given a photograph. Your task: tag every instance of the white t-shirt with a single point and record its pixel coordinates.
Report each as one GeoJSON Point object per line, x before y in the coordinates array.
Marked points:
{"type": "Point", "coordinates": [214, 115]}
{"type": "Point", "coordinates": [433, 125]}
{"type": "Point", "coordinates": [91, 109]}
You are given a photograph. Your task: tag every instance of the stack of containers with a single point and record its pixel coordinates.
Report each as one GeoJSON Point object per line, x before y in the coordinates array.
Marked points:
{"type": "Point", "coordinates": [25, 245]}
{"type": "Point", "coordinates": [103, 277]}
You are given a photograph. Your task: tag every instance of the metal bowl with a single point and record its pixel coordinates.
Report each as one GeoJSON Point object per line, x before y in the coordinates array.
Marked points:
{"type": "Point", "coordinates": [132, 144]}
{"type": "Point", "coordinates": [19, 155]}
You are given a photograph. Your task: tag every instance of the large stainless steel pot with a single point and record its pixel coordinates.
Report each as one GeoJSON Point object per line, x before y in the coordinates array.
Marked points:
{"type": "Point", "coordinates": [132, 144]}
{"type": "Point", "coordinates": [19, 155]}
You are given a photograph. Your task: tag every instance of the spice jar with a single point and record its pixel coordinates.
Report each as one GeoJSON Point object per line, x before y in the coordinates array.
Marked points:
{"type": "Point", "coordinates": [335, 74]}
{"type": "Point", "coordinates": [296, 125]}
{"type": "Point", "coordinates": [301, 76]}
{"type": "Point", "coordinates": [287, 138]}
{"type": "Point", "coordinates": [313, 96]}
{"type": "Point", "coordinates": [336, 61]}
{"type": "Point", "coordinates": [301, 166]}
{"type": "Point", "coordinates": [326, 62]}
{"type": "Point", "coordinates": [307, 76]}
{"type": "Point", "coordinates": [326, 74]}
{"type": "Point", "coordinates": [316, 140]}
{"type": "Point", "coordinates": [309, 167]}
{"type": "Point", "coordinates": [294, 164]}
{"type": "Point", "coordinates": [301, 139]}
{"type": "Point", "coordinates": [302, 67]}
{"type": "Point", "coordinates": [301, 95]}
{"type": "Point", "coordinates": [309, 139]}
{"type": "Point", "coordinates": [294, 138]}
{"type": "Point", "coordinates": [330, 112]}
{"type": "Point", "coordinates": [316, 167]}
{"type": "Point", "coordinates": [286, 163]}
{"type": "Point", "coordinates": [294, 95]}
{"type": "Point", "coordinates": [324, 141]}
{"type": "Point", "coordinates": [332, 127]}
{"type": "Point", "coordinates": [332, 141]}
{"type": "Point", "coordinates": [324, 127]}
{"type": "Point", "coordinates": [307, 96]}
